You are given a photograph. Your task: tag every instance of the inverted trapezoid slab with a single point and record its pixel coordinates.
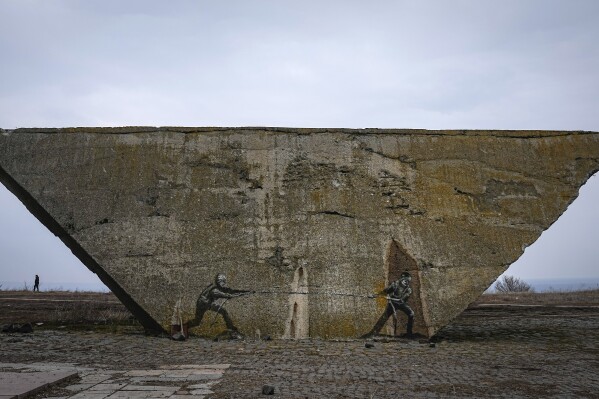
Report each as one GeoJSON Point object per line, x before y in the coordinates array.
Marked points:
{"type": "Point", "coordinates": [313, 221]}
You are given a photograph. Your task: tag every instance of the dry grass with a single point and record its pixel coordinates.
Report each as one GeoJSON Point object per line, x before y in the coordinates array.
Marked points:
{"type": "Point", "coordinates": [63, 308]}
{"type": "Point", "coordinates": [88, 312]}
{"type": "Point", "coordinates": [554, 298]}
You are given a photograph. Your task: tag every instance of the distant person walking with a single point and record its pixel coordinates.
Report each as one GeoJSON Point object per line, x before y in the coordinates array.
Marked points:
{"type": "Point", "coordinates": [36, 284]}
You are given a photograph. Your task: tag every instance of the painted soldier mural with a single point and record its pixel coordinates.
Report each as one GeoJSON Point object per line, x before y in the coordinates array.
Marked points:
{"type": "Point", "coordinates": [397, 293]}
{"type": "Point", "coordinates": [213, 298]}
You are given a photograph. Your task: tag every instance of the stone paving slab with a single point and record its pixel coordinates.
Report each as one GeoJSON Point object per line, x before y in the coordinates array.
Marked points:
{"type": "Point", "coordinates": [133, 387]}
{"type": "Point", "coordinates": [18, 385]}
{"type": "Point", "coordinates": [181, 380]}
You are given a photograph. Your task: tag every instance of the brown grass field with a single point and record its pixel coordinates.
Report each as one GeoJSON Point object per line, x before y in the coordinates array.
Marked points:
{"type": "Point", "coordinates": [65, 309]}
{"type": "Point", "coordinates": [555, 298]}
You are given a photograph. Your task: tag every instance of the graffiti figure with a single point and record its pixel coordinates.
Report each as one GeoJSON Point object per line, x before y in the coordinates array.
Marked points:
{"type": "Point", "coordinates": [213, 297]}
{"type": "Point", "coordinates": [36, 284]}
{"type": "Point", "coordinates": [397, 293]}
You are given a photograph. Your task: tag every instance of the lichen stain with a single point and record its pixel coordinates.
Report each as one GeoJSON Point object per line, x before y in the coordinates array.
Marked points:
{"type": "Point", "coordinates": [381, 302]}
{"type": "Point", "coordinates": [315, 197]}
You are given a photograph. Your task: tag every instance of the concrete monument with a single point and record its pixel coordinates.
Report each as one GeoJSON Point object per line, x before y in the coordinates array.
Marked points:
{"type": "Point", "coordinates": [313, 224]}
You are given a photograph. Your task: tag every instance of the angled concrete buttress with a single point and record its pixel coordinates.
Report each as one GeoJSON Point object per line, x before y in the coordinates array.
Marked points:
{"type": "Point", "coordinates": [315, 221]}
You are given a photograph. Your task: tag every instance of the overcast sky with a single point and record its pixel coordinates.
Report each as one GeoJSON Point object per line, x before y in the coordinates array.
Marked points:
{"type": "Point", "coordinates": [389, 64]}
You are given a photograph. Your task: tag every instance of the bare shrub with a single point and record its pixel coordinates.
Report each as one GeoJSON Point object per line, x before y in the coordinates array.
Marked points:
{"type": "Point", "coordinates": [512, 284]}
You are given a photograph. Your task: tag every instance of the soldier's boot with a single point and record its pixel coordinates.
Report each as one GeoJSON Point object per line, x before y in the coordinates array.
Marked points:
{"type": "Point", "coordinates": [409, 333]}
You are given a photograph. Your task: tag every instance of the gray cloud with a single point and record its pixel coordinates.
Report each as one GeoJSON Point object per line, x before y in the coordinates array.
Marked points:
{"type": "Point", "coordinates": [410, 64]}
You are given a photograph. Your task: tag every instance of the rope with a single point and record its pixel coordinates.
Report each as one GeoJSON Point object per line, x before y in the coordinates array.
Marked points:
{"type": "Point", "coordinates": [369, 296]}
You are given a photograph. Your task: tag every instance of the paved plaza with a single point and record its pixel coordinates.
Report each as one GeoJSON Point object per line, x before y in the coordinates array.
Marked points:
{"type": "Point", "coordinates": [495, 352]}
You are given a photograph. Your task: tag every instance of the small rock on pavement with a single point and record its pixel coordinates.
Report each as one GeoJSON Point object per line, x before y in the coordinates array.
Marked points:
{"type": "Point", "coordinates": [178, 336]}
{"type": "Point", "coordinates": [268, 390]}
{"type": "Point", "coordinates": [369, 345]}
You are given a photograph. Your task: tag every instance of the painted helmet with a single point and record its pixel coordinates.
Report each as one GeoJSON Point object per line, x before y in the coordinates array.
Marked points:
{"type": "Point", "coordinates": [220, 277]}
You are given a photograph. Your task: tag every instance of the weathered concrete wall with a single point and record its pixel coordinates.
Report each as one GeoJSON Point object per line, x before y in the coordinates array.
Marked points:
{"type": "Point", "coordinates": [315, 220]}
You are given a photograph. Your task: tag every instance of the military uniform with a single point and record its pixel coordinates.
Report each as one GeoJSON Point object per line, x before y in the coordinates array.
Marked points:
{"type": "Point", "coordinates": [212, 298]}
{"type": "Point", "coordinates": [398, 293]}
